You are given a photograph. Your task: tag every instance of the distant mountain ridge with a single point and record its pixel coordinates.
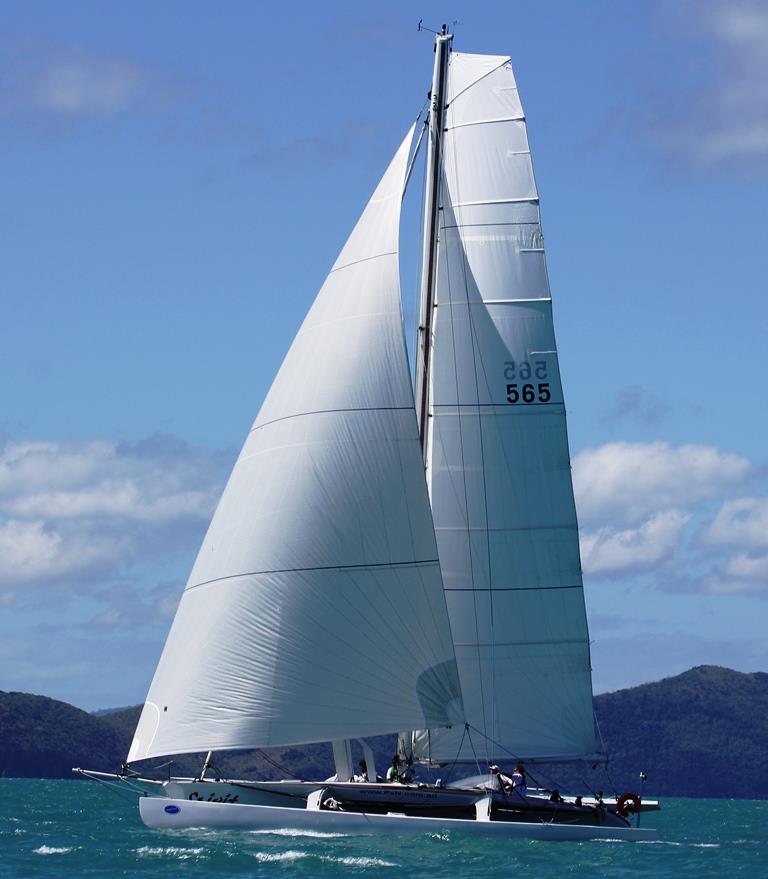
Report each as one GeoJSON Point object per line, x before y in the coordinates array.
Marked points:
{"type": "Point", "coordinates": [703, 733]}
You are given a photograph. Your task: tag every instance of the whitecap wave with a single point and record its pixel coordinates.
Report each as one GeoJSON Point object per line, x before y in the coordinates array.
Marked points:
{"type": "Point", "coordinates": [53, 850]}
{"type": "Point", "coordinates": [171, 851]}
{"type": "Point", "coordinates": [360, 862]}
{"type": "Point", "coordinates": [311, 834]}
{"type": "Point", "coordinates": [275, 857]}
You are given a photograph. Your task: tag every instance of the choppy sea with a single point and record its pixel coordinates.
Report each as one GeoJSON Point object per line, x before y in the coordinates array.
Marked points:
{"type": "Point", "coordinates": [82, 829]}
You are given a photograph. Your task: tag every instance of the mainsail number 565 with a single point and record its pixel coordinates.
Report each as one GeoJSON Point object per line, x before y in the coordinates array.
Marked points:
{"type": "Point", "coordinates": [521, 391]}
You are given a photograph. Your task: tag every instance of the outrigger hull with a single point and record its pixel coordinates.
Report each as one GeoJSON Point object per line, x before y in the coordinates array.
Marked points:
{"type": "Point", "coordinates": [169, 814]}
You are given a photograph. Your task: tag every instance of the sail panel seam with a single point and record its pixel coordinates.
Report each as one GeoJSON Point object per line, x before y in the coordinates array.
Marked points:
{"type": "Point", "coordinates": [494, 301]}
{"type": "Point", "coordinates": [364, 259]}
{"type": "Point", "coordinates": [513, 410]}
{"type": "Point", "coordinates": [523, 199]}
{"type": "Point", "coordinates": [452, 98]}
{"type": "Point", "coordinates": [486, 122]}
{"type": "Point", "coordinates": [512, 588]}
{"type": "Point", "coordinates": [520, 643]}
{"type": "Point", "coordinates": [525, 528]}
{"type": "Point", "coordinates": [360, 567]}
{"type": "Point", "coordinates": [331, 412]}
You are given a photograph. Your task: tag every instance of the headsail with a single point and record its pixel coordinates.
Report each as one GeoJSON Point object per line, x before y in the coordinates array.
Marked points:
{"type": "Point", "coordinates": [304, 616]}
{"type": "Point", "coordinates": [498, 461]}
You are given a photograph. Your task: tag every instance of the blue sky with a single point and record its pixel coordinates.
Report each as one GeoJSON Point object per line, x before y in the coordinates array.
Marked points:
{"type": "Point", "coordinates": [177, 181]}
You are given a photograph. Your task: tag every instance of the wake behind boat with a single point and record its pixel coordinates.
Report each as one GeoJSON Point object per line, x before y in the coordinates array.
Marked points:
{"type": "Point", "coordinates": [387, 557]}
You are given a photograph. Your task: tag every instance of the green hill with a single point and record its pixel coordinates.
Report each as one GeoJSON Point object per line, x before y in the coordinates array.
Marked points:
{"type": "Point", "coordinates": [45, 738]}
{"type": "Point", "coordinates": [703, 733]}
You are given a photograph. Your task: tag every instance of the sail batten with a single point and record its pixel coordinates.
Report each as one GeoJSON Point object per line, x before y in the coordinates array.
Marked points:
{"type": "Point", "coordinates": [315, 609]}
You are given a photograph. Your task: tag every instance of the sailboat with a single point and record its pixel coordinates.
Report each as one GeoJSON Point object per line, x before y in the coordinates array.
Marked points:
{"type": "Point", "coordinates": [396, 553]}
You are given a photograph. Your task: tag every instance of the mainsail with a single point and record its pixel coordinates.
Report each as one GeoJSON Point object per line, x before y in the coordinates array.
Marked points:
{"type": "Point", "coordinates": [315, 609]}
{"type": "Point", "coordinates": [497, 456]}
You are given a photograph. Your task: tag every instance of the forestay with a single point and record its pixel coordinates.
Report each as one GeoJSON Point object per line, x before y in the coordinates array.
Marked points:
{"type": "Point", "coordinates": [315, 609]}
{"type": "Point", "coordinates": [498, 462]}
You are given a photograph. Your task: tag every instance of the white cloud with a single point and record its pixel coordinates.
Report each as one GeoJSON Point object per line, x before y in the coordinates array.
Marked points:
{"type": "Point", "coordinates": [609, 551]}
{"type": "Point", "coordinates": [627, 482]}
{"type": "Point", "coordinates": [748, 567]}
{"type": "Point", "coordinates": [29, 552]}
{"type": "Point", "coordinates": [742, 522]}
{"type": "Point", "coordinates": [86, 85]}
{"type": "Point", "coordinates": [55, 84]}
{"type": "Point", "coordinates": [89, 511]}
{"type": "Point", "coordinates": [648, 509]}
{"type": "Point", "coordinates": [721, 117]}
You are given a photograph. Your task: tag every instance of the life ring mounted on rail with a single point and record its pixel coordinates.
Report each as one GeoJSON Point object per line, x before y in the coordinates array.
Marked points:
{"type": "Point", "coordinates": [628, 804]}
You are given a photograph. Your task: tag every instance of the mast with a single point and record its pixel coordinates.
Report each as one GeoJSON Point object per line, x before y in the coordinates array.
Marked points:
{"type": "Point", "coordinates": [431, 222]}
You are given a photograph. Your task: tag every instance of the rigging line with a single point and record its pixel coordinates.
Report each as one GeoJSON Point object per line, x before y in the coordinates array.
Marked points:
{"type": "Point", "coordinates": [518, 759]}
{"type": "Point", "coordinates": [604, 750]}
{"type": "Point", "coordinates": [118, 787]}
{"type": "Point", "coordinates": [474, 753]}
{"type": "Point", "coordinates": [409, 170]}
{"type": "Point", "coordinates": [263, 754]}
{"type": "Point", "coordinates": [458, 754]}
{"type": "Point", "coordinates": [415, 309]}
{"type": "Point", "coordinates": [495, 743]}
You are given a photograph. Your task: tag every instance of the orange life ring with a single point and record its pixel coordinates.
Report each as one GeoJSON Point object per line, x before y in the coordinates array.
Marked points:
{"type": "Point", "coordinates": [623, 806]}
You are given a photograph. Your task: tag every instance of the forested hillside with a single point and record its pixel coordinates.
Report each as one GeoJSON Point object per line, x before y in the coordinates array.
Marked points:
{"type": "Point", "coordinates": [703, 733]}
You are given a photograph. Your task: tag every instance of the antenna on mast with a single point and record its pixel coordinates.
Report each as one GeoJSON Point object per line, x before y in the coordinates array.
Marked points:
{"type": "Point", "coordinates": [441, 33]}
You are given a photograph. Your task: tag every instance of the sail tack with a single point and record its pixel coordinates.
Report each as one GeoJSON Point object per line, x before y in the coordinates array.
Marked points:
{"type": "Point", "coordinates": [498, 461]}
{"type": "Point", "coordinates": [315, 609]}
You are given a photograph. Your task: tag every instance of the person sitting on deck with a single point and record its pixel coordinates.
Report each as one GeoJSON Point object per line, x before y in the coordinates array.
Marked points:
{"type": "Point", "coordinates": [393, 773]}
{"type": "Point", "coordinates": [519, 781]}
{"type": "Point", "coordinates": [362, 773]}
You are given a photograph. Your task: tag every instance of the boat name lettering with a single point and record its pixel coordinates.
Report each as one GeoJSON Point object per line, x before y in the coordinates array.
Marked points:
{"type": "Point", "coordinates": [212, 798]}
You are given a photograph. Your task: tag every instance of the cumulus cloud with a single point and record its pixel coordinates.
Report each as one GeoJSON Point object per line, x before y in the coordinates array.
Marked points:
{"type": "Point", "coordinates": [669, 514]}
{"type": "Point", "coordinates": [31, 552]}
{"type": "Point", "coordinates": [741, 522]}
{"type": "Point", "coordinates": [627, 482]}
{"type": "Point", "coordinates": [88, 511]}
{"type": "Point", "coordinates": [633, 549]}
{"type": "Point", "coordinates": [717, 116]}
{"type": "Point", "coordinates": [78, 85]}
{"type": "Point", "coordinates": [48, 87]}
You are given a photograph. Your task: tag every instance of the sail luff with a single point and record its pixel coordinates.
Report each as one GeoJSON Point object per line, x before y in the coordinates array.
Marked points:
{"type": "Point", "coordinates": [300, 621]}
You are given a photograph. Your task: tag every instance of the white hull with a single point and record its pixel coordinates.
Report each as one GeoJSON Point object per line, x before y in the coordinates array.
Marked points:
{"type": "Point", "coordinates": [168, 814]}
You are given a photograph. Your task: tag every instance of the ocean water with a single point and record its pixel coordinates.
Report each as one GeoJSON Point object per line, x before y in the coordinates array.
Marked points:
{"type": "Point", "coordinates": [83, 829]}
